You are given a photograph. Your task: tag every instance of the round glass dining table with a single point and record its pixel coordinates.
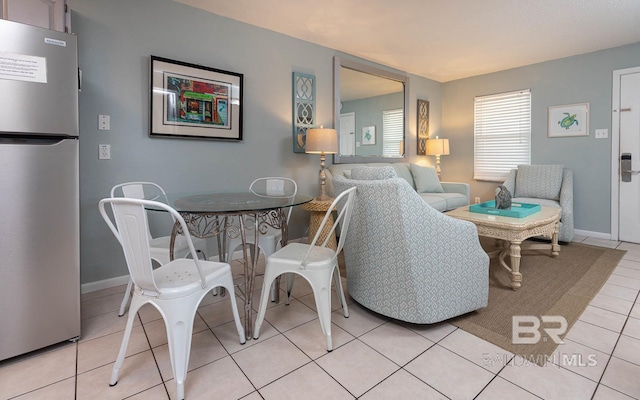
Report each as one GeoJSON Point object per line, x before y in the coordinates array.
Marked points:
{"type": "Point", "coordinates": [224, 215]}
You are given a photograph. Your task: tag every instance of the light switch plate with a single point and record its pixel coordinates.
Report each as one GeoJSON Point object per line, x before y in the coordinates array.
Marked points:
{"type": "Point", "coordinates": [104, 122]}
{"type": "Point", "coordinates": [602, 133]}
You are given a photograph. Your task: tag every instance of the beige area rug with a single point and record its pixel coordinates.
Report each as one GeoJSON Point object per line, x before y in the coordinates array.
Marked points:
{"type": "Point", "coordinates": [561, 286]}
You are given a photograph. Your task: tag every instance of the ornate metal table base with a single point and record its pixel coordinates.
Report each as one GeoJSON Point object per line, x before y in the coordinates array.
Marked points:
{"type": "Point", "coordinates": [223, 225]}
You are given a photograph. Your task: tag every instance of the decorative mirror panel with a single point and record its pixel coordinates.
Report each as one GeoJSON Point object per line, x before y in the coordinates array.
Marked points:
{"type": "Point", "coordinates": [304, 108]}
{"type": "Point", "coordinates": [370, 113]}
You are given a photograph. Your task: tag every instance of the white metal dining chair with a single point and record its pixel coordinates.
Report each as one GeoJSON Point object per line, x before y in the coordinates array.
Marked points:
{"type": "Point", "coordinates": [316, 263]}
{"type": "Point", "coordinates": [175, 288]}
{"type": "Point", "coordinates": [159, 246]}
{"type": "Point", "coordinates": [270, 238]}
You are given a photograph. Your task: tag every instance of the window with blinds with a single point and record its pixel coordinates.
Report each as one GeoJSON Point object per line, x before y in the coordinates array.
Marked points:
{"type": "Point", "coordinates": [392, 130]}
{"type": "Point", "coordinates": [502, 134]}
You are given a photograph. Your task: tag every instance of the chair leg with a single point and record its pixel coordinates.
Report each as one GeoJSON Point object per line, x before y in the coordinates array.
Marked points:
{"type": "Point", "coordinates": [136, 303]}
{"type": "Point", "coordinates": [125, 300]}
{"type": "Point", "coordinates": [338, 283]}
{"type": "Point", "coordinates": [321, 284]}
{"type": "Point", "coordinates": [275, 286]}
{"type": "Point", "coordinates": [228, 284]}
{"type": "Point", "coordinates": [264, 300]}
{"type": "Point", "coordinates": [179, 318]}
{"type": "Point", "coordinates": [289, 281]}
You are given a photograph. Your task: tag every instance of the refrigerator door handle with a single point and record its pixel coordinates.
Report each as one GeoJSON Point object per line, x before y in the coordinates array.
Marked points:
{"type": "Point", "coordinates": [35, 140]}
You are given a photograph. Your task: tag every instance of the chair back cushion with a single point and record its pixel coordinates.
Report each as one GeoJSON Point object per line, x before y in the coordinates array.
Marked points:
{"type": "Point", "coordinates": [373, 173]}
{"type": "Point", "coordinates": [539, 181]}
{"type": "Point", "coordinates": [426, 179]}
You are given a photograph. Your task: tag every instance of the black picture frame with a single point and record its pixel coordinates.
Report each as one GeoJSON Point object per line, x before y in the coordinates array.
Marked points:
{"type": "Point", "coordinates": [194, 101]}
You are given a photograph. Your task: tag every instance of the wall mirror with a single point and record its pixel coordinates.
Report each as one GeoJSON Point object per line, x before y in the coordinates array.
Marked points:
{"type": "Point", "coordinates": [370, 113]}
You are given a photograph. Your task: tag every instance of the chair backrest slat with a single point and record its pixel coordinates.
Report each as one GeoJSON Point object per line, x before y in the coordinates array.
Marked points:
{"type": "Point", "coordinates": [139, 190]}
{"type": "Point", "coordinates": [275, 186]}
{"type": "Point", "coordinates": [131, 227]}
{"type": "Point", "coordinates": [131, 230]}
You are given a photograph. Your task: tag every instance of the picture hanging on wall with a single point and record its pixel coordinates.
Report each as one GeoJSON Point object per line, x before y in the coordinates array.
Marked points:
{"type": "Point", "coordinates": [194, 101]}
{"type": "Point", "coordinates": [368, 135]}
{"type": "Point", "coordinates": [568, 120]}
{"type": "Point", "coordinates": [304, 108]}
{"type": "Point", "coordinates": [423, 126]}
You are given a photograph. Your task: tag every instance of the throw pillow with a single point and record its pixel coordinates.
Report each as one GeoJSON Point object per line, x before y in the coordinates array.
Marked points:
{"type": "Point", "coordinates": [539, 181]}
{"type": "Point", "coordinates": [347, 173]}
{"type": "Point", "coordinates": [426, 179]}
{"type": "Point", "coordinates": [373, 173]}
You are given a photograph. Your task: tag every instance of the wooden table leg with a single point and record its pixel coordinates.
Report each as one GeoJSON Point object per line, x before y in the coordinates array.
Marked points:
{"type": "Point", "coordinates": [516, 276]}
{"type": "Point", "coordinates": [555, 247]}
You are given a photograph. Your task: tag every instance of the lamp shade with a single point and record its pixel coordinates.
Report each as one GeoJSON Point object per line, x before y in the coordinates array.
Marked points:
{"type": "Point", "coordinates": [439, 147]}
{"type": "Point", "coordinates": [321, 140]}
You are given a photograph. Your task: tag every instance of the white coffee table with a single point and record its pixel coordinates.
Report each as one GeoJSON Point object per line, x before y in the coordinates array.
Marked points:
{"type": "Point", "coordinates": [511, 232]}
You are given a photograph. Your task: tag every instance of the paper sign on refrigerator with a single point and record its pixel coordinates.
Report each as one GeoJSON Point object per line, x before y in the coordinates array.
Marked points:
{"type": "Point", "coordinates": [22, 67]}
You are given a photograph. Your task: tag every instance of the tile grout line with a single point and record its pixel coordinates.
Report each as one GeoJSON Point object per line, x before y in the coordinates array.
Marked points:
{"type": "Point", "coordinates": [609, 360]}
{"type": "Point", "coordinates": [402, 367]}
{"type": "Point", "coordinates": [153, 354]}
{"type": "Point", "coordinates": [75, 388]}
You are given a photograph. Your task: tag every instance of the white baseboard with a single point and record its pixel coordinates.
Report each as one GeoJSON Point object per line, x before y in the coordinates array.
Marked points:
{"type": "Point", "coordinates": [104, 284]}
{"type": "Point", "coordinates": [124, 279]}
{"type": "Point", "coordinates": [595, 235]}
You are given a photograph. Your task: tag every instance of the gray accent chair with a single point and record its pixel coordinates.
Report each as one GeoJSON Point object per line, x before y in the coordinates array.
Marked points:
{"type": "Point", "coordinates": [547, 185]}
{"type": "Point", "coordinates": [406, 260]}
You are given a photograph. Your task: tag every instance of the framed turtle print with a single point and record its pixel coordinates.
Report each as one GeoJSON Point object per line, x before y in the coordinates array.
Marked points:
{"type": "Point", "coordinates": [368, 135]}
{"type": "Point", "coordinates": [568, 120]}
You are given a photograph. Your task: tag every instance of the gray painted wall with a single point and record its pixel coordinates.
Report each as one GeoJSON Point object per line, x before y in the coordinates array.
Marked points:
{"type": "Point", "coordinates": [116, 38]}
{"type": "Point", "coordinates": [580, 79]}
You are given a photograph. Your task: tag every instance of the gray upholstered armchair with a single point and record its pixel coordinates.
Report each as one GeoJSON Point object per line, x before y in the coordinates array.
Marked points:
{"type": "Point", "coordinates": [404, 259]}
{"type": "Point", "coordinates": [547, 185]}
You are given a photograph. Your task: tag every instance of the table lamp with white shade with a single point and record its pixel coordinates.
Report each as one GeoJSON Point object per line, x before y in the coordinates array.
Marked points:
{"type": "Point", "coordinates": [322, 141]}
{"type": "Point", "coordinates": [437, 147]}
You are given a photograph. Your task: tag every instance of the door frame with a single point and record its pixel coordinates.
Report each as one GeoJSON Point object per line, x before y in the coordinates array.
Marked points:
{"type": "Point", "coordinates": [615, 148]}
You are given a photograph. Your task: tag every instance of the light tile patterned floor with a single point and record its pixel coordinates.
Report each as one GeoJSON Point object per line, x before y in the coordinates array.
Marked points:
{"type": "Point", "coordinates": [374, 357]}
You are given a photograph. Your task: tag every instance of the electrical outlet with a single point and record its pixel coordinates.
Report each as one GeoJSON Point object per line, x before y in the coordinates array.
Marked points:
{"type": "Point", "coordinates": [104, 122]}
{"type": "Point", "coordinates": [477, 200]}
{"type": "Point", "coordinates": [104, 152]}
{"type": "Point", "coordinates": [602, 133]}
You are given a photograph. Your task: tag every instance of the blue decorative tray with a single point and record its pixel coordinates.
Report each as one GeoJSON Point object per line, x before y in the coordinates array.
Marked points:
{"type": "Point", "coordinates": [518, 210]}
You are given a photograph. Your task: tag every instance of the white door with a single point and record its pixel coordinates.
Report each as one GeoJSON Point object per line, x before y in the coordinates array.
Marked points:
{"type": "Point", "coordinates": [348, 134]}
{"type": "Point", "coordinates": [49, 14]}
{"type": "Point", "coordinates": [629, 192]}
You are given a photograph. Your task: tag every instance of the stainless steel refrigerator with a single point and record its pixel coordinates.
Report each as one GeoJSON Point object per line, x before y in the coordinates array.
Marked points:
{"type": "Point", "coordinates": [39, 195]}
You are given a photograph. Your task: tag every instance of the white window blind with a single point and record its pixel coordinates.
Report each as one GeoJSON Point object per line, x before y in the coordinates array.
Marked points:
{"type": "Point", "coordinates": [502, 133]}
{"type": "Point", "coordinates": [392, 129]}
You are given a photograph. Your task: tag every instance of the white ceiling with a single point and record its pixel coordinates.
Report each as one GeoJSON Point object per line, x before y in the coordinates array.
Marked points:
{"type": "Point", "coordinates": [445, 39]}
